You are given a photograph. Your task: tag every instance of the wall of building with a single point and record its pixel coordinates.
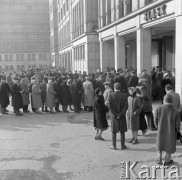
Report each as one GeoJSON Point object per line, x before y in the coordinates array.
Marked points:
{"type": "Point", "coordinates": [24, 34]}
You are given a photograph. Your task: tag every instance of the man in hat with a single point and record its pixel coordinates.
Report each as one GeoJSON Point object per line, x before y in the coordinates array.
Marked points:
{"type": "Point", "coordinates": [133, 81]}
{"type": "Point", "coordinates": [120, 79]}
{"type": "Point", "coordinates": [17, 101]}
{"type": "Point", "coordinates": [4, 95]}
{"type": "Point", "coordinates": [118, 105]}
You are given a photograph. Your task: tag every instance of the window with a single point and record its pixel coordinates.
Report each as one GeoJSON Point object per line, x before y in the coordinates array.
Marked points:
{"type": "Point", "coordinates": [33, 57]}
{"type": "Point", "coordinates": [6, 57]}
{"type": "Point", "coordinates": [29, 57]}
{"type": "Point", "coordinates": [10, 57]}
{"type": "Point", "coordinates": [11, 68]}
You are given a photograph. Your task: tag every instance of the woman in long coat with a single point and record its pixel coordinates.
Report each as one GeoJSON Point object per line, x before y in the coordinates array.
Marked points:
{"type": "Point", "coordinates": [36, 97]}
{"type": "Point", "coordinates": [100, 110]}
{"type": "Point", "coordinates": [167, 121]}
{"type": "Point", "coordinates": [108, 90]}
{"type": "Point", "coordinates": [43, 87]}
{"type": "Point", "coordinates": [50, 96]}
{"type": "Point", "coordinates": [88, 96]}
{"type": "Point", "coordinates": [24, 85]}
{"type": "Point", "coordinates": [133, 114]}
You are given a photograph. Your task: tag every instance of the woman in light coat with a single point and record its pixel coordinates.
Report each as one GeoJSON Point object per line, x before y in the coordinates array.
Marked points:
{"type": "Point", "coordinates": [36, 97]}
{"type": "Point", "coordinates": [88, 96]}
{"type": "Point", "coordinates": [108, 90]}
{"type": "Point", "coordinates": [133, 114]}
{"type": "Point", "coordinates": [50, 96]}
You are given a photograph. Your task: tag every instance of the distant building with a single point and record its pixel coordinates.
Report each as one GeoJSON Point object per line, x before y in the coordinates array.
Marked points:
{"type": "Point", "coordinates": [78, 40]}
{"type": "Point", "coordinates": [24, 34]}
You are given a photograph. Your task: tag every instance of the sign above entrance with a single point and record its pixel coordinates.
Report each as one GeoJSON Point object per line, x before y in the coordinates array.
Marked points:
{"type": "Point", "coordinates": [155, 13]}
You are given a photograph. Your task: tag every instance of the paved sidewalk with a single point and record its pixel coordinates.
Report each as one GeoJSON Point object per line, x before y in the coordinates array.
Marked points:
{"type": "Point", "coordinates": [62, 147]}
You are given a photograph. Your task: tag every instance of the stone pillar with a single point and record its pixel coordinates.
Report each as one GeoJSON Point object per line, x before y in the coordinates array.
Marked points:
{"type": "Point", "coordinates": [108, 12]}
{"type": "Point", "coordinates": [112, 10]}
{"type": "Point", "coordinates": [144, 50]}
{"type": "Point", "coordinates": [124, 8]}
{"type": "Point", "coordinates": [178, 56]}
{"type": "Point", "coordinates": [119, 52]}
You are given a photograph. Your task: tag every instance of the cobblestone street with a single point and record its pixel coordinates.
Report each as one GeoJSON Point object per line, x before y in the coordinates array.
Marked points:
{"type": "Point", "coordinates": [62, 146]}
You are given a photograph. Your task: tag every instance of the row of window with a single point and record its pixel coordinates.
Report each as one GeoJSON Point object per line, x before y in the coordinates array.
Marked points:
{"type": "Point", "coordinates": [65, 60]}
{"type": "Point", "coordinates": [19, 67]}
{"type": "Point", "coordinates": [21, 57]}
{"type": "Point", "coordinates": [122, 8]}
{"type": "Point", "coordinates": [63, 9]}
{"type": "Point", "coordinates": [79, 52]}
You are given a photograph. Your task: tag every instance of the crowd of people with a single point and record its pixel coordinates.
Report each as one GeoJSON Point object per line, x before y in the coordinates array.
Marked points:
{"type": "Point", "coordinates": [122, 95]}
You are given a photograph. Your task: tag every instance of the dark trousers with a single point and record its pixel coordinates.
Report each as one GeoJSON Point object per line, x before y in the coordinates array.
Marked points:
{"type": "Point", "coordinates": [57, 106]}
{"type": "Point", "coordinates": [65, 108]}
{"type": "Point", "coordinates": [122, 139]}
{"type": "Point", "coordinates": [25, 108]}
{"type": "Point", "coordinates": [76, 108]}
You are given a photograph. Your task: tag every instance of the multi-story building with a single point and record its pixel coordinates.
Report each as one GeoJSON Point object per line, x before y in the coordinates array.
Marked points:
{"type": "Point", "coordinates": [141, 34]}
{"type": "Point", "coordinates": [24, 34]}
{"type": "Point", "coordinates": [78, 40]}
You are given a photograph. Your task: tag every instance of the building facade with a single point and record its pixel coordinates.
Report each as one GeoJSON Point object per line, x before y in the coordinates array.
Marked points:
{"type": "Point", "coordinates": [78, 40]}
{"type": "Point", "coordinates": [24, 34]}
{"type": "Point", "coordinates": [141, 34]}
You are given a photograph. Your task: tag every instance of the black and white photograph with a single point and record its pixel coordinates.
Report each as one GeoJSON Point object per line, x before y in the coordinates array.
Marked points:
{"type": "Point", "coordinates": [90, 89]}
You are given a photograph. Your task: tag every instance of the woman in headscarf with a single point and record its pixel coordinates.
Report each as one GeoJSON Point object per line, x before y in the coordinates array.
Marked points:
{"type": "Point", "coordinates": [100, 110]}
{"type": "Point", "coordinates": [50, 96]}
{"type": "Point", "coordinates": [36, 97]}
{"type": "Point", "coordinates": [133, 114]}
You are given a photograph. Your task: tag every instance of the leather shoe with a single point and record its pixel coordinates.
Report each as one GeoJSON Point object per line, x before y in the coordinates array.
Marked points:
{"type": "Point", "coordinates": [131, 140]}
{"type": "Point", "coordinates": [123, 147]}
{"type": "Point", "coordinates": [112, 147]}
{"type": "Point", "coordinates": [168, 163]}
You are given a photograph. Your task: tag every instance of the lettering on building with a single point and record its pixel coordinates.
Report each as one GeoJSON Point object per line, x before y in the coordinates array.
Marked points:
{"type": "Point", "coordinates": [155, 13]}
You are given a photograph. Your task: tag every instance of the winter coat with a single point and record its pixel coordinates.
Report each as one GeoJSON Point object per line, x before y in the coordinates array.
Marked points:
{"type": "Point", "coordinates": [106, 95]}
{"type": "Point", "coordinates": [4, 94]}
{"type": "Point", "coordinates": [50, 95]}
{"type": "Point", "coordinates": [134, 106]}
{"type": "Point", "coordinates": [88, 93]}
{"type": "Point", "coordinates": [25, 95]}
{"type": "Point", "coordinates": [100, 121]}
{"type": "Point", "coordinates": [66, 94]}
{"type": "Point", "coordinates": [36, 96]}
{"type": "Point", "coordinates": [118, 106]}
{"type": "Point", "coordinates": [43, 87]}
{"type": "Point", "coordinates": [77, 92]}
{"type": "Point", "coordinates": [17, 101]}
{"type": "Point", "coordinates": [167, 121]}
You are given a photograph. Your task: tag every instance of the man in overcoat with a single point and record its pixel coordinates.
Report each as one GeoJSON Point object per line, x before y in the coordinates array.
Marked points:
{"type": "Point", "coordinates": [118, 105]}
{"type": "Point", "coordinates": [77, 93]}
{"type": "Point", "coordinates": [167, 121]}
{"type": "Point", "coordinates": [17, 101]}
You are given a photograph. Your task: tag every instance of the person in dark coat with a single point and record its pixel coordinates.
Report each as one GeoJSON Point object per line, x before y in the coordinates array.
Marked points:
{"type": "Point", "coordinates": [167, 121]}
{"type": "Point", "coordinates": [120, 79]}
{"type": "Point", "coordinates": [100, 83]}
{"type": "Point", "coordinates": [118, 105]}
{"type": "Point", "coordinates": [17, 101]}
{"type": "Point", "coordinates": [43, 87]}
{"type": "Point", "coordinates": [4, 95]}
{"type": "Point", "coordinates": [77, 93]}
{"type": "Point", "coordinates": [133, 81]}
{"type": "Point", "coordinates": [66, 95]}
{"type": "Point", "coordinates": [100, 110]}
{"type": "Point", "coordinates": [70, 85]}
{"type": "Point", "coordinates": [57, 88]}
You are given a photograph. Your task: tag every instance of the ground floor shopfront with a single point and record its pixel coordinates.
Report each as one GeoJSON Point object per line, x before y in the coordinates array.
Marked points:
{"type": "Point", "coordinates": [146, 38]}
